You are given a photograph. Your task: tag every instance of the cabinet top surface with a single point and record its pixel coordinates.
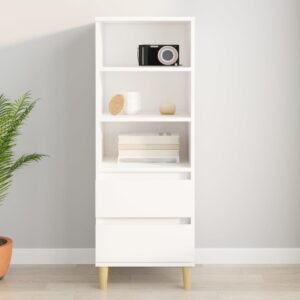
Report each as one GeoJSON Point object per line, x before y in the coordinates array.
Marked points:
{"type": "Point", "coordinates": [143, 19]}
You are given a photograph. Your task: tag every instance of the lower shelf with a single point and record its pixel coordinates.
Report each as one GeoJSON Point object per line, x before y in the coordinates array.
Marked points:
{"type": "Point", "coordinates": [111, 165]}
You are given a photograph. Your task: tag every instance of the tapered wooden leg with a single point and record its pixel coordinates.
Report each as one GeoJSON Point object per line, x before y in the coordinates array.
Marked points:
{"type": "Point", "coordinates": [187, 277]}
{"type": "Point", "coordinates": [103, 277]}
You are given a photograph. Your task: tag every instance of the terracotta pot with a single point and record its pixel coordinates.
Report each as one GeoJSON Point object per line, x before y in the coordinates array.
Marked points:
{"type": "Point", "coordinates": [6, 245]}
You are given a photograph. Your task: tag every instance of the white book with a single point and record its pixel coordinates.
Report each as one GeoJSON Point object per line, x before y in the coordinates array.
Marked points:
{"type": "Point", "coordinates": [148, 160]}
{"type": "Point", "coordinates": [152, 138]}
{"type": "Point", "coordinates": [148, 146]}
{"type": "Point", "coordinates": [148, 153]}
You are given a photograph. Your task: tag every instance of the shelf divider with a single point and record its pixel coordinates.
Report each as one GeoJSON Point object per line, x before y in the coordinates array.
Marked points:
{"type": "Point", "coordinates": [146, 69]}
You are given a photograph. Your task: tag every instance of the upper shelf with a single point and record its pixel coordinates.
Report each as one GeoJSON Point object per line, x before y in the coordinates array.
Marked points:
{"type": "Point", "coordinates": [145, 69]}
{"type": "Point", "coordinates": [117, 40]}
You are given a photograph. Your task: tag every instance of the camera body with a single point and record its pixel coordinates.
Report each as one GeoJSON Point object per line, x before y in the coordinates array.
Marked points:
{"type": "Point", "coordinates": [158, 55]}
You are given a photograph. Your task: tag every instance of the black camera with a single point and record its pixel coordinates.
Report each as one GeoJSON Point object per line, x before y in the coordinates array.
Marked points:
{"type": "Point", "coordinates": [158, 55]}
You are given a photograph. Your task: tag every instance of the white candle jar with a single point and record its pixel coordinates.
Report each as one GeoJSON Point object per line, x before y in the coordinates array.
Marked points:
{"type": "Point", "coordinates": [132, 103]}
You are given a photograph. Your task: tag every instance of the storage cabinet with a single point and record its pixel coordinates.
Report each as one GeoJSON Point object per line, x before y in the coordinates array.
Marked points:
{"type": "Point", "coordinates": [144, 212]}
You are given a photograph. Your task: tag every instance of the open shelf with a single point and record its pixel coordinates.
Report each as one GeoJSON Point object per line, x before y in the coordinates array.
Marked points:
{"type": "Point", "coordinates": [146, 69]}
{"type": "Point", "coordinates": [154, 88]}
{"type": "Point", "coordinates": [120, 40]}
{"type": "Point", "coordinates": [111, 165]}
{"type": "Point", "coordinates": [117, 71]}
{"type": "Point", "coordinates": [181, 117]}
{"type": "Point", "coordinates": [111, 131]}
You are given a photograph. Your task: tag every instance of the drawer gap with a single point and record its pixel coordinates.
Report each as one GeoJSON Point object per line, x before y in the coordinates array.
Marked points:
{"type": "Point", "coordinates": [144, 221]}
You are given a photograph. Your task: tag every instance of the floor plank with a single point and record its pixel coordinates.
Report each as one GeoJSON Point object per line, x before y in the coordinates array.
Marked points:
{"type": "Point", "coordinates": [210, 282]}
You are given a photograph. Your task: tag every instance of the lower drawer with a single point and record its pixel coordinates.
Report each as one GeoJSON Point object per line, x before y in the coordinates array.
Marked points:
{"type": "Point", "coordinates": [130, 243]}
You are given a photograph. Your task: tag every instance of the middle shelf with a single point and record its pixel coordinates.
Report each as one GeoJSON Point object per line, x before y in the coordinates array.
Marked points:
{"type": "Point", "coordinates": [148, 117]}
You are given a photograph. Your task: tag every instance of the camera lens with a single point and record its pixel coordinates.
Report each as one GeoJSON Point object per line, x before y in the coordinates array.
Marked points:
{"type": "Point", "coordinates": [167, 55]}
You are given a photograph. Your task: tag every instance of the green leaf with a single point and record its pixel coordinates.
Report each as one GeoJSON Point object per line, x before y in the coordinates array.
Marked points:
{"type": "Point", "coordinates": [12, 117]}
{"type": "Point", "coordinates": [26, 159]}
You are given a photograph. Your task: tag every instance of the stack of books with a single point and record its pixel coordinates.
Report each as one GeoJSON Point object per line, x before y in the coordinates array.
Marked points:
{"type": "Point", "coordinates": [149, 148]}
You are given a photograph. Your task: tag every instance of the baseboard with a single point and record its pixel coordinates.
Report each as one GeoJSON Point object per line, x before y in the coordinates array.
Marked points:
{"type": "Point", "coordinates": [247, 256]}
{"type": "Point", "coordinates": [54, 256]}
{"type": "Point", "coordinates": [203, 256]}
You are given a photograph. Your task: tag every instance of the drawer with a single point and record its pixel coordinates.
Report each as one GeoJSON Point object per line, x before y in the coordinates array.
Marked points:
{"type": "Point", "coordinates": [144, 198]}
{"type": "Point", "coordinates": [144, 243]}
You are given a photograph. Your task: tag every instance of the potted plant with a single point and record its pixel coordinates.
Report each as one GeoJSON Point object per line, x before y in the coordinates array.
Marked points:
{"type": "Point", "coordinates": [12, 117]}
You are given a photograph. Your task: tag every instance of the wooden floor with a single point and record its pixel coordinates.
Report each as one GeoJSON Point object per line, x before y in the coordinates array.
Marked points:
{"type": "Point", "coordinates": [209, 283]}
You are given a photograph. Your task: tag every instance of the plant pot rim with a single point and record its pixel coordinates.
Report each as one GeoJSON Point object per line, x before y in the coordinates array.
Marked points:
{"type": "Point", "coordinates": [7, 239]}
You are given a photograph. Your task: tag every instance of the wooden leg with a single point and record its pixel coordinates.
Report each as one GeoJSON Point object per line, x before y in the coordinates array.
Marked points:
{"type": "Point", "coordinates": [103, 277]}
{"type": "Point", "coordinates": [187, 277]}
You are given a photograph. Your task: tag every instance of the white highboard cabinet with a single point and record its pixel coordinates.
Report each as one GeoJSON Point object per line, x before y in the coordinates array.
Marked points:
{"type": "Point", "coordinates": [144, 212]}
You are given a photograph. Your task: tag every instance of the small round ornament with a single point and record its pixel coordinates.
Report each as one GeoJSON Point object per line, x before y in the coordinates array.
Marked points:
{"type": "Point", "coordinates": [167, 108]}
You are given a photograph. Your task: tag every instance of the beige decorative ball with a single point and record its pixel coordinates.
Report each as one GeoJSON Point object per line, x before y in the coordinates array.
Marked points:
{"type": "Point", "coordinates": [167, 109]}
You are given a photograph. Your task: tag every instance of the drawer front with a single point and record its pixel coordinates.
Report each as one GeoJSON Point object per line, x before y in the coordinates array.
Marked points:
{"type": "Point", "coordinates": [144, 198]}
{"type": "Point", "coordinates": [144, 243]}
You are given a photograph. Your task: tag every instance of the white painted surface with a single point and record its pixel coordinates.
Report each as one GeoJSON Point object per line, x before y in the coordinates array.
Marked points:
{"type": "Point", "coordinates": [145, 69]}
{"type": "Point", "coordinates": [111, 165]}
{"type": "Point", "coordinates": [152, 117]}
{"type": "Point", "coordinates": [145, 19]}
{"type": "Point", "coordinates": [127, 230]}
{"type": "Point", "coordinates": [135, 198]}
{"type": "Point", "coordinates": [135, 243]}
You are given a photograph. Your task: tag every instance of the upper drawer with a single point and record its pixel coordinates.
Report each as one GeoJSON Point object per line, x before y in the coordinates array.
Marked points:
{"type": "Point", "coordinates": [144, 198]}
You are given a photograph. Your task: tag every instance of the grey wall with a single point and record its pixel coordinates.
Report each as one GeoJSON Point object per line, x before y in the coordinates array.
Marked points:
{"type": "Point", "coordinates": [248, 105]}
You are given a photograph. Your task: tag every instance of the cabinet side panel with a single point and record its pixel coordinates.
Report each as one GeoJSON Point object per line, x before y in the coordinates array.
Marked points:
{"type": "Point", "coordinates": [98, 92]}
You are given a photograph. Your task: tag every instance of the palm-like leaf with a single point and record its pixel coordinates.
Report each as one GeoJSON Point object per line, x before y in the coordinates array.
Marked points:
{"type": "Point", "coordinates": [26, 159]}
{"type": "Point", "coordinates": [12, 117]}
